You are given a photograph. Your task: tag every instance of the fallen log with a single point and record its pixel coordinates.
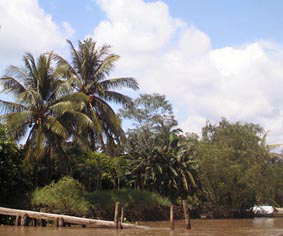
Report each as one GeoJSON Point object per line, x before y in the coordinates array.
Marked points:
{"type": "Point", "coordinates": [64, 218]}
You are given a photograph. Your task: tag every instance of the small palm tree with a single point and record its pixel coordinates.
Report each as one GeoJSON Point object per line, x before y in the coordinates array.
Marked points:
{"type": "Point", "coordinates": [39, 109]}
{"type": "Point", "coordinates": [88, 76]}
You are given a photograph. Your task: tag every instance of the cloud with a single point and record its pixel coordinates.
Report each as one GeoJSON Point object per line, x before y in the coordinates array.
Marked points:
{"type": "Point", "coordinates": [26, 27]}
{"type": "Point", "coordinates": [172, 57]}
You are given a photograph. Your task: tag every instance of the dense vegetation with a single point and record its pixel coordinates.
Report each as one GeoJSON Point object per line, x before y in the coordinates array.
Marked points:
{"type": "Point", "coordinates": [78, 160]}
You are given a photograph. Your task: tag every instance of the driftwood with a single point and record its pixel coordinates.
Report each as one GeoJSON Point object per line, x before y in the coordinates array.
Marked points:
{"type": "Point", "coordinates": [22, 216]}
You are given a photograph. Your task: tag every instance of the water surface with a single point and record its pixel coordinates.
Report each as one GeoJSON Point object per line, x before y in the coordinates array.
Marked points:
{"type": "Point", "coordinates": [228, 227]}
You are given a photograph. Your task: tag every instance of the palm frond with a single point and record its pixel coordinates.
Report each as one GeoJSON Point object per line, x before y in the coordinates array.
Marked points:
{"type": "Point", "coordinates": [106, 66]}
{"type": "Point", "coordinates": [7, 107]}
{"type": "Point", "coordinates": [30, 64]}
{"type": "Point", "coordinates": [120, 83]}
{"type": "Point", "coordinates": [81, 119]}
{"type": "Point", "coordinates": [61, 107]}
{"type": "Point", "coordinates": [10, 84]}
{"type": "Point", "coordinates": [56, 127]}
{"type": "Point", "coordinates": [28, 97]}
{"type": "Point", "coordinates": [118, 98]}
{"type": "Point", "coordinates": [17, 120]}
{"type": "Point", "coordinates": [75, 56]}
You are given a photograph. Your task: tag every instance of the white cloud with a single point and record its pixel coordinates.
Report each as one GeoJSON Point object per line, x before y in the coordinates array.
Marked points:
{"type": "Point", "coordinates": [26, 27]}
{"type": "Point", "coordinates": [169, 56]}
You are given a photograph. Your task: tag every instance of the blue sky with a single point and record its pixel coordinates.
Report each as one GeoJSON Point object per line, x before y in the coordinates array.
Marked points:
{"type": "Point", "coordinates": [211, 59]}
{"type": "Point", "coordinates": [226, 22]}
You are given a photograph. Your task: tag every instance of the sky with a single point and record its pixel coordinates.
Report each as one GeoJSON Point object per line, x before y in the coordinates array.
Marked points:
{"type": "Point", "coordinates": [211, 59]}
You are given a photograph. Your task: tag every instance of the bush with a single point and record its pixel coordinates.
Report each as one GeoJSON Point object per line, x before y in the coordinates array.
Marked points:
{"type": "Point", "coordinates": [67, 196]}
{"type": "Point", "coordinates": [138, 204]}
{"type": "Point", "coordinates": [13, 182]}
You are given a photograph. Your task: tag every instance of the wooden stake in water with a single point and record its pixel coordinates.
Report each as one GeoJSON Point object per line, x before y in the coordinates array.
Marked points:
{"type": "Point", "coordinates": [186, 214]}
{"type": "Point", "coordinates": [17, 220]}
{"type": "Point", "coordinates": [116, 215]}
{"type": "Point", "coordinates": [24, 220]}
{"type": "Point", "coordinates": [172, 223]}
{"type": "Point", "coordinates": [121, 217]}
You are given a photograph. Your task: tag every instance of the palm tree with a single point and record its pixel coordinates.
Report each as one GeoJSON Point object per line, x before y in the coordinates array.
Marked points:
{"type": "Point", "coordinates": [88, 76]}
{"type": "Point", "coordinates": [39, 109]}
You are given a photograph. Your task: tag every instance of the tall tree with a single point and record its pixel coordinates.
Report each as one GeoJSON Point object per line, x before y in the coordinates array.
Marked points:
{"type": "Point", "coordinates": [233, 158]}
{"type": "Point", "coordinates": [39, 110]}
{"type": "Point", "coordinates": [161, 156]}
{"type": "Point", "coordinates": [150, 111]}
{"type": "Point", "coordinates": [88, 75]}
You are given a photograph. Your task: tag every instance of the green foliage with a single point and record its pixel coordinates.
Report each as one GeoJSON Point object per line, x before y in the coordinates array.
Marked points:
{"type": "Point", "coordinates": [39, 112]}
{"type": "Point", "coordinates": [67, 196]}
{"type": "Point", "coordinates": [128, 198]}
{"type": "Point", "coordinates": [232, 159]}
{"type": "Point", "coordinates": [88, 75]}
{"type": "Point", "coordinates": [13, 182]}
{"type": "Point", "coordinates": [138, 204]}
{"type": "Point", "coordinates": [160, 157]}
{"type": "Point", "coordinates": [270, 190]}
{"type": "Point", "coordinates": [99, 171]}
{"type": "Point", "coordinates": [150, 111]}
{"type": "Point", "coordinates": [64, 112]}
{"type": "Point", "coordinates": [167, 168]}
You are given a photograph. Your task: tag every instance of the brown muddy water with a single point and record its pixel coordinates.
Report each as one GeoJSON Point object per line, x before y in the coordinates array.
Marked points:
{"type": "Point", "coordinates": [243, 227]}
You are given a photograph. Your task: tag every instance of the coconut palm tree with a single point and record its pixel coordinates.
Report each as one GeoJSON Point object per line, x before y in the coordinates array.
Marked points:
{"type": "Point", "coordinates": [39, 108]}
{"type": "Point", "coordinates": [88, 76]}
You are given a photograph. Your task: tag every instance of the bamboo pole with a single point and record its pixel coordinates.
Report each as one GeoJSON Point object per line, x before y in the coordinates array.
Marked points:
{"type": "Point", "coordinates": [172, 223]}
{"type": "Point", "coordinates": [67, 219]}
{"type": "Point", "coordinates": [186, 214]}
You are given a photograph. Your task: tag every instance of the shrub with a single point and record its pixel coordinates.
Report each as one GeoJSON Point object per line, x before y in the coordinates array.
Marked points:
{"type": "Point", "coordinates": [67, 196]}
{"type": "Point", "coordinates": [138, 204]}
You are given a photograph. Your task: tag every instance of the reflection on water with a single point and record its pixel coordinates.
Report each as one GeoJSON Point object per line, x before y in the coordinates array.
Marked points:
{"type": "Point", "coordinates": [244, 227]}
{"type": "Point", "coordinates": [263, 222]}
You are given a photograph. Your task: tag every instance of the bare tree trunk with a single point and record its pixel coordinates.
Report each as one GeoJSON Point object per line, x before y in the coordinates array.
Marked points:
{"type": "Point", "coordinates": [172, 223]}
{"type": "Point", "coordinates": [186, 214]}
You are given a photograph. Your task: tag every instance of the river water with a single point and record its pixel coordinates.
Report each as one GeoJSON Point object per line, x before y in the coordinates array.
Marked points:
{"type": "Point", "coordinates": [234, 227]}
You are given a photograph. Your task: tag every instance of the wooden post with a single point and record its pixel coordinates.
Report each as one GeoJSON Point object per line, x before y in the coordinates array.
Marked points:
{"type": "Point", "coordinates": [121, 217]}
{"type": "Point", "coordinates": [24, 220]}
{"type": "Point", "coordinates": [43, 222]}
{"type": "Point", "coordinates": [172, 223]}
{"type": "Point", "coordinates": [18, 220]}
{"type": "Point", "coordinates": [116, 215]}
{"type": "Point", "coordinates": [34, 222]}
{"type": "Point", "coordinates": [61, 222]}
{"type": "Point", "coordinates": [186, 214]}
